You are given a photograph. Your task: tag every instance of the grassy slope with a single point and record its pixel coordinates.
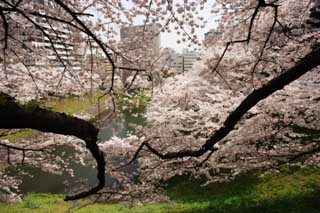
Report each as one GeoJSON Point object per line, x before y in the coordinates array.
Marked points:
{"type": "Point", "coordinates": [288, 191]}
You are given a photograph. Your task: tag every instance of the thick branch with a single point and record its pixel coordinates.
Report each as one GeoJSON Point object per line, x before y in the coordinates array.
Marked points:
{"type": "Point", "coordinates": [306, 64]}
{"type": "Point", "coordinates": [17, 116]}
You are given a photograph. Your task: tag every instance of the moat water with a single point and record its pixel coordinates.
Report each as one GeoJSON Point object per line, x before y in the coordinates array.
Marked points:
{"type": "Point", "coordinates": [37, 181]}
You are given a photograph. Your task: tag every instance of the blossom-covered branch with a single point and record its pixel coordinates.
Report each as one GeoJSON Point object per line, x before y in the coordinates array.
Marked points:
{"type": "Point", "coordinates": [305, 65]}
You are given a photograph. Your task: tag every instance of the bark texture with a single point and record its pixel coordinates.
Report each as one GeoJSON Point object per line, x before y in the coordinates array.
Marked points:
{"type": "Point", "coordinates": [306, 64]}
{"type": "Point", "coordinates": [16, 116]}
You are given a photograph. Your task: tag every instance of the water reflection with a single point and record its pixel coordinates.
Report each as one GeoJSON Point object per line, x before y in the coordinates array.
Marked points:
{"type": "Point", "coordinates": [38, 181]}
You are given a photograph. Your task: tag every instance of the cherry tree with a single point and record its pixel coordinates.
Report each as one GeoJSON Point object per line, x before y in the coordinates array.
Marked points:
{"type": "Point", "coordinates": [215, 120]}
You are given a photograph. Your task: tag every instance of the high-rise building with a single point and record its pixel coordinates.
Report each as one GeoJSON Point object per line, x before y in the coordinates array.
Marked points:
{"type": "Point", "coordinates": [140, 47]}
{"type": "Point", "coordinates": [140, 42]}
{"type": "Point", "coordinates": [141, 39]}
{"type": "Point", "coordinates": [181, 62]}
{"type": "Point", "coordinates": [53, 43]}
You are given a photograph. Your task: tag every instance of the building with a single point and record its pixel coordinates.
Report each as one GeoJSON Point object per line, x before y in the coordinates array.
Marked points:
{"type": "Point", "coordinates": [54, 43]}
{"type": "Point", "coordinates": [140, 46]}
{"type": "Point", "coordinates": [94, 58]}
{"type": "Point", "coordinates": [141, 37]}
{"type": "Point", "coordinates": [181, 62]}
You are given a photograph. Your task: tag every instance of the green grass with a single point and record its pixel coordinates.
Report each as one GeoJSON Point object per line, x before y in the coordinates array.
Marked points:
{"type": "Point", "coordinates": [136, 97]}
{"type": "Point", "coordinates": [288, 191]}
{"type": "Point", "coordinates": [21, 134]}
{"type": "Point", "coordinates": [74, 105]}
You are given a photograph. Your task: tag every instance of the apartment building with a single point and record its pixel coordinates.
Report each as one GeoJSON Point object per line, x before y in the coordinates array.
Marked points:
{"type": "Point", "coordinates": [181, 62]}
{"type": "Point", "coordinates": [53, 44]}
{"type": "Point", "coordinates": [141, 39]}
{"type": "Point", "coordinates": [140, 47]}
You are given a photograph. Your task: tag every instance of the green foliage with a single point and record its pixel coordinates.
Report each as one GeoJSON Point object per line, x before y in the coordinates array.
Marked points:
{"type": "Point", "coordinates": [286, 191]}
{"type": "Point", "coordinates": [31, 203]}
{"type": "Point", "coordinates": [32, 104]}
{"type": "Point", "coordinates": [3, 99]}
{"type": "Point", "coordinates": [285, 169]}
{"type": "Point", "coordinates": [72, 105]}
{"type": "Point", "coordinates": [21, 134]}
{"type": "Point", "coordinates": [134, 97]}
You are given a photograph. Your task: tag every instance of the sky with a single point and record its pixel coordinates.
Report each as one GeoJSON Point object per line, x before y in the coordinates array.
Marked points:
{"type": "Point", "coordinates": [170, 39]}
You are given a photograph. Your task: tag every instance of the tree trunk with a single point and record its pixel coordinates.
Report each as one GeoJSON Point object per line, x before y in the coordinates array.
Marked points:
{"type": "Point", "coordinates": [16, 116]}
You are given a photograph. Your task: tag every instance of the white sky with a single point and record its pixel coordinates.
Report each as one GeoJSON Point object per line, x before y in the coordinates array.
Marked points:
{"type": "Point", "coordinates": [170, 39]}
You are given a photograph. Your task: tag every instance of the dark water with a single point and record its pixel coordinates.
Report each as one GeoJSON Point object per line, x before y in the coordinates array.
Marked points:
{"type": "Point", "coordinates": [35, 180]}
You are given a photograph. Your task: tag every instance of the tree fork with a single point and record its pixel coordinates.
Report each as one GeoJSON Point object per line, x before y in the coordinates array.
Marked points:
{"type": "Point", "coordinates": [304, 65]}
{"type": "Point", "coordinates": [17, 116]}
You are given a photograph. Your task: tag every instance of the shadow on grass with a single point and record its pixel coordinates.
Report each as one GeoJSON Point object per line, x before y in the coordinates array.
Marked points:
{"type": "Point", "coordinates": [308, 204]}
{"type": "Point", "coordinates": [287, 192]}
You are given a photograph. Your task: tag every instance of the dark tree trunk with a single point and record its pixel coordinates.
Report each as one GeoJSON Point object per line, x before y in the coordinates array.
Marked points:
{"type": "Point", "coordinates": [16, 116]}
